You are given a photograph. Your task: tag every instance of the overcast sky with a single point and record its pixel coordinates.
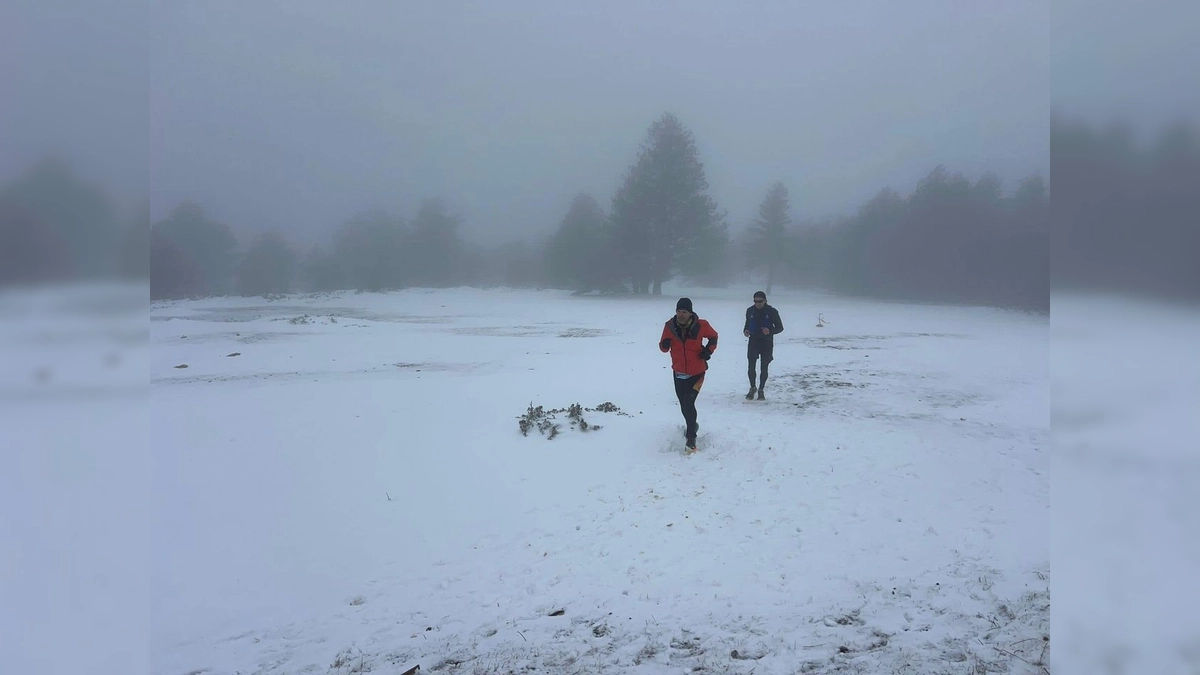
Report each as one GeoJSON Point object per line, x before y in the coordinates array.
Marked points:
{"type": "Point", "coordinates": [295, 114]}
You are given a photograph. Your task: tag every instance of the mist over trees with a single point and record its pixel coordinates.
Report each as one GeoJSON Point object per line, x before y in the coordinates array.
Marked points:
{"type": "Point", "coordinates": [268, 267]}
{"type": "Point", "coordinates": [369, 254]}
{"type": "Point", "coordinates": [767, 245]}
{"type": "Point", "coordinates": [1125, 214]}
{"type": "Point", "coordinates": [434, 247]}
{"type": "Point", "coordinates": [951, 240]}
{"type": "Point", "coordinates": [55, 226]}
{"type": "Point", "coordinates": [577, 256]}
{"type": "Point", "coordinates": [191, 255]}
{"type": "Point", "coordinates": [662, 210]}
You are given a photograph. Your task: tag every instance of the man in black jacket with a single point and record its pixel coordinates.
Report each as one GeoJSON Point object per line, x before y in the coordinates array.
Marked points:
{"type": "Point", "coordinates": [762, 324]}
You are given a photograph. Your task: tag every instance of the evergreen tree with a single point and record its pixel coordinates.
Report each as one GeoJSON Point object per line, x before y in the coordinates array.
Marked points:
{"type": "Point", "coordinates": [269, 266]}
{"type": "Point", "coordinates": [434, 245]}
{"type": "Point", "coordinates": [191, 255]}
{"type": "Point", "coordinates": [662, 207]}
{"type": "Point", "coordinates": [574, 257]}
{"type": "Point", "coordinates": [707, 261]}
{"type": "Point", "coordinates": [369, 250]}
{"type": "Point", "coordinates": [768, 235]}
{"type": "Point", "coordinates": [54, 226]}
{"type": "Point", "coordinates": [320, 271]}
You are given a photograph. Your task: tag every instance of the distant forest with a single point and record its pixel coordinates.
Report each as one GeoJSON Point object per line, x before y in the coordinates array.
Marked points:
{"type": "Point", "coordinates": [1125, 219]}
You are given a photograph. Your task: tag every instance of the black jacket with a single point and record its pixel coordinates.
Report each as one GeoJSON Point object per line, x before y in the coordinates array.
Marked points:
{"type": "Point", "coordinates": [757, 319]}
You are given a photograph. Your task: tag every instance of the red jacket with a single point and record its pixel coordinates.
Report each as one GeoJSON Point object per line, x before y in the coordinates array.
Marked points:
{"type": "Point", "coordinates": [686, 345]}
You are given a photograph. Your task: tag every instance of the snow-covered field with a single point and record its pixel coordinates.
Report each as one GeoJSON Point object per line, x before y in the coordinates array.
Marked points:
{"type": "Point", "coordinates": [1125, 401]}
{"type": "Point", "coordinates": [338, 484]}
{"type": "Point", "coordinates": [351, 491]}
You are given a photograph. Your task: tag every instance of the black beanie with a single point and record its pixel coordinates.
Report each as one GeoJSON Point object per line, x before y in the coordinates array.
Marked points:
{"type": "Point", "coordinates": [684, 303]}
{"type": "Point", "coordinates": [760, 294]}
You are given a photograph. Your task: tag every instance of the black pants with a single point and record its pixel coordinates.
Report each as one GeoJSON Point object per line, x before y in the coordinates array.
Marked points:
{"type": "Point", "coordinates": [759, 348]}
{"type": "Point", "coordinates": [687, 391]}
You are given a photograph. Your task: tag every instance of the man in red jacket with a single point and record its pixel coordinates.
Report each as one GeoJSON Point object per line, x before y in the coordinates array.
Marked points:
{"type": "Point", "coordinates": [691, 341]}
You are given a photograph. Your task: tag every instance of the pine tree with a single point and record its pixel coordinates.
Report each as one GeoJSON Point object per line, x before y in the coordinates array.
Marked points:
{"type": "Point", "coordinates": [56, 226]}
{"type": "Point", "coordinates": [191, 255]}
{"type": "Point", "coordinates": [574, 254]}
{"type": "Point", "coordinates": [434, 244]}
{"type": "Point", "coordinates": [707, 262]}
{"type": "Point", "coordinates": [768, 234]}
{"type": "Point", "coordinates": [370, 253]}
{"type": "Point", "coordinates": [269, 266]}
{"type": "Point", "coordinates": [321, 271]}
{"type": "Point", "coordinates": [662, 206]}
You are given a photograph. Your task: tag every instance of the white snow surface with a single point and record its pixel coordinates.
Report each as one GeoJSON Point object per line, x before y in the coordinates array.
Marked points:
{"type": "Point", "coordinates": [1125, 395]}
{"type": "Point", "coordinates": [351, 492]}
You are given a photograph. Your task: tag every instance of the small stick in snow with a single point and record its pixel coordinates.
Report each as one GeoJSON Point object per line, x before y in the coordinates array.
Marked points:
{"type": "Point", "coordinates": [522, 636]}
{"type": "Point", "coordinates": [1005, 651]}
{"type": "Point", "coordinates": [1021, 641]}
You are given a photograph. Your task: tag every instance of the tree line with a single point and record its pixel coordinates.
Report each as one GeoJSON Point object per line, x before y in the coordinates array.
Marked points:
{"type": "Point", "coordinates": [1123, 213]}
{"type": "Point", "coordinates": [56, 227]}
{"type": "Point", "coordinates": [950, 240]}
{"type": "Point", "coordinates": [193, 255]}
{"type": "Point", "coordinates": [1126, 210]}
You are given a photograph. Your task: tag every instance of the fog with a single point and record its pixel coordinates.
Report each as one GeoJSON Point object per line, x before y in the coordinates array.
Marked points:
{"type": "Point", "coordinates": [295, 115]}
{"type": "Point", "coordinates": [383, 141]}
{"type": "Point", "coordinates": [1116, 61]}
